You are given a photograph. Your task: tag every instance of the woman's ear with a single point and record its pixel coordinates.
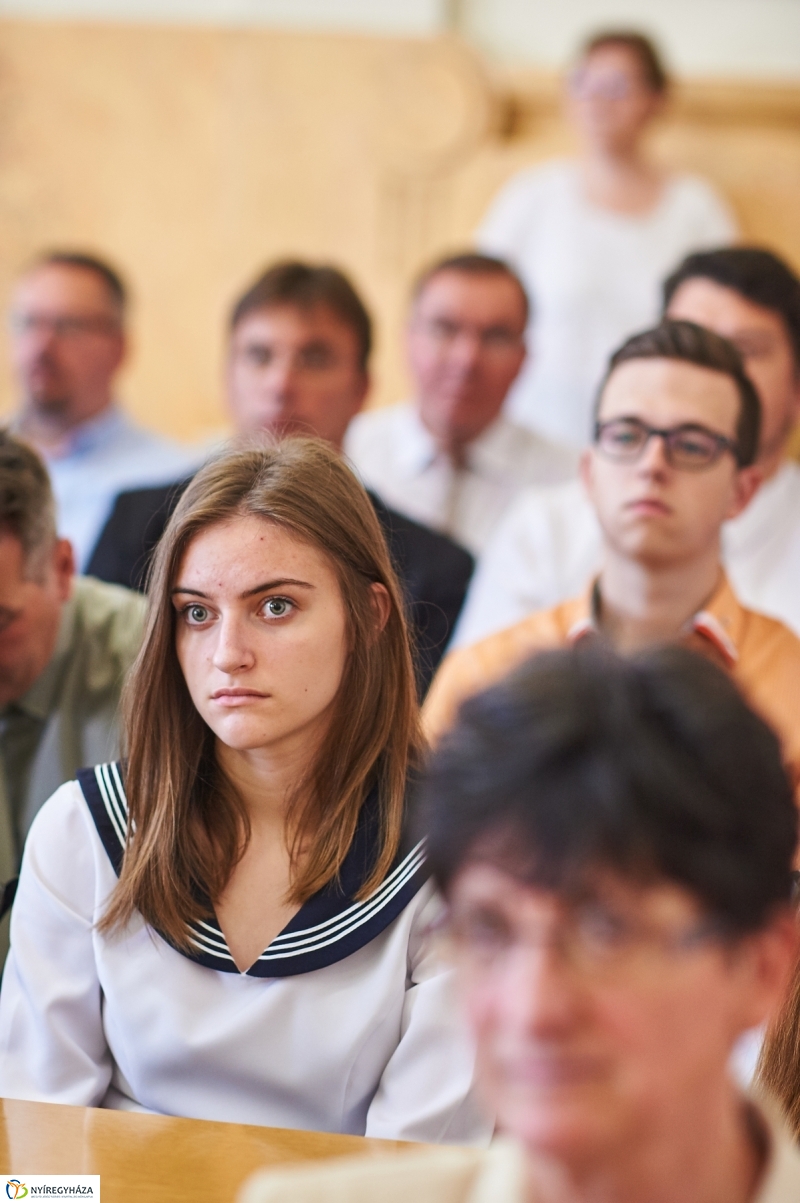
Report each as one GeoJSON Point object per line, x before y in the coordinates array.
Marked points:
{"type": "Point", "coordinates": [381, 605]}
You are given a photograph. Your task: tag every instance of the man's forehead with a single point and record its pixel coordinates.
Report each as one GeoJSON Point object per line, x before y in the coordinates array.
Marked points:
{"type": "Point", "coordinates": [487, 296]}
{"type": "Point", "coordinates": [722, 309]}
{"type": "Point", "coordinates": [673, 391]}
{"type": "Point", "coordinates": [61, 284]}
{"type": "Point", "coordinates": [292, 324]}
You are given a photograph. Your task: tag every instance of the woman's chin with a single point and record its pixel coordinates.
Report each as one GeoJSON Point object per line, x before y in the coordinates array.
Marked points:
{"type": "Point", "coordinates": [565, 1132]}
{"type": "Point", "coordinates": [241, 734]}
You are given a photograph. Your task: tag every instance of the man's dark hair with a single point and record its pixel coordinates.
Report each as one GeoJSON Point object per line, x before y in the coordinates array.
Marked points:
{"type": "Point", "coordinates": [651, 767]}
{"type": "Point", "coordinates": [471, 263]}
{"type": "Point", "coordinates": [691, 343]}
{"type": "Point", "coordinates": [651, 63]}
{"type": "Point", "coordinates": [756, 274]}
{"type": "Point", "coordinates": [27, 507]}
{"type": "Point", "coordinates": [305, 286]}
{"type": "Point", "coordinates": [83, 261]}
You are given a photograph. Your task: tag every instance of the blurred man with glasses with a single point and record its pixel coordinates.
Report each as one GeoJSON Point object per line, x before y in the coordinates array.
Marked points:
{"type": "Point", "coordinates": [614, 839]}
{"type": "Point", "coordinates": [68, 342]}
{"type": "Point", "coordinates": [674, 457]}
{"type": "Point", "coordinates": [450, 458]}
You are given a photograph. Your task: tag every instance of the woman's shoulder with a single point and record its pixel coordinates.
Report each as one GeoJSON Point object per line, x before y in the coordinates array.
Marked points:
{"type": "Point", "coordinates": [63, 854]}
{"type": "Point", "coordinates": [523, 197]}
{"type": "Point", "coordinates": [541, 179]}
{"type": "Point", "coordinates": [694, 194]}
{"type": "Point", "coordinates": [64, 815]}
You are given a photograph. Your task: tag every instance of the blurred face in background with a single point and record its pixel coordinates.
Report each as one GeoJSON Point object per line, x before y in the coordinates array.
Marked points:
{"type": "Point", "coordinates": [763, 341]}
{"type": "Point", "coordinates": [466, 346]}
{"type": "Point", "coordinates": [610, 101]}
{"type": "Point", "coordinates": [295, 371]}
{"type": "Point", "coordinates": [32, 593]}
{"type": "Point", "coordinates": [67, 343]}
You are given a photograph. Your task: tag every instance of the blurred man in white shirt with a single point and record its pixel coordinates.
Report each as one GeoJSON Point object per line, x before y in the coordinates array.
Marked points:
{"type": "Point", "coordinates": [450, 458]}
{"type": "Point", "coordinates": [549, 543]}
{"type": "Point", "coordinates": [68, 342]}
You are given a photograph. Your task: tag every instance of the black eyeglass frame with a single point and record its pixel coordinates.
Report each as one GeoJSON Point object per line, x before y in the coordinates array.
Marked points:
{"type": "Point", "coordinates": [667, 435]}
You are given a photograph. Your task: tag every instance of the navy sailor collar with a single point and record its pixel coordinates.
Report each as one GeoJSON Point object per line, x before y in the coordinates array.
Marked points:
{"type": "Point", "coordinates": [330, 926]}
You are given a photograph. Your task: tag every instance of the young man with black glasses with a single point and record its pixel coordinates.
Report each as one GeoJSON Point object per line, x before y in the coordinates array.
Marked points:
{"type": "Point", "coordinates": [673, 458]}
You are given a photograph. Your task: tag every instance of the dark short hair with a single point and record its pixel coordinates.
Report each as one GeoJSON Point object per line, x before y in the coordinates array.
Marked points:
{"type": "Point", "coordinates": [651, 63]}
{"type": "Point", "coordinates": [471, 263]}
{"type": "Point", "coordinates": [652, 767]}
{"type": "Point", "coordinates": [306, 286]}
{"type": "Point", "coordinates": [84, 261]}
{"type": "Point", "coordinates": [27, 506]}
{"type": "Point", "coordinates": [756, 274]}
{"type": "Point", "coordinates": [690, 343]}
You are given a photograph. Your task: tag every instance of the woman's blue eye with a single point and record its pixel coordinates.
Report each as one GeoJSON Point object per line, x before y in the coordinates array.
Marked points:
{"type": "Point", "coordinates": [197, 613]}
{"type": "Point", "coordinates": [277, 607]}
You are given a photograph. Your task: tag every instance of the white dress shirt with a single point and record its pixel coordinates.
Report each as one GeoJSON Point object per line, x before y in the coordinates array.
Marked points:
{"type": "Point", "coordinates": [103, 457]}
{"type": "Point", "coordinates": [369, 1043]}
{"type": "Point", "coordinates": [549, 544]}
{"type": "Point", "coordinates": [593, 277]}
{"type": "Point", "coordinates": [398, 458]}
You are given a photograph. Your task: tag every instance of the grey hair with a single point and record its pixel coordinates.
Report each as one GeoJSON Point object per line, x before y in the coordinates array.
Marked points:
{"type": "Point", "coordinates": [27, 504]}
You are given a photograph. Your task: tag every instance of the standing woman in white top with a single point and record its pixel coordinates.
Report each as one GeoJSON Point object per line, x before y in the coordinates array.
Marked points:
{"type": "Point", "coordinates": [593, 237]}
{"type": "Point", "coordinates": [231, 924]}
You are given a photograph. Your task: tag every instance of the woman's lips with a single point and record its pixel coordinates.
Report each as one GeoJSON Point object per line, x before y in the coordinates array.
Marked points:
{"type": "Point", "coordinates": [554, 1072]}
{"type": "Point", "coordinates": [236, 697]}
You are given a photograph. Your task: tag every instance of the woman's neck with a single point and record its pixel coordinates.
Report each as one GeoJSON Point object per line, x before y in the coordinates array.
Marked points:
{"type": "Point", "coordinates": [621, 179]}
{"type": "Point", "coordinates": [266, 778]}
{"type": "Point", "coordinates": [714, 1158]}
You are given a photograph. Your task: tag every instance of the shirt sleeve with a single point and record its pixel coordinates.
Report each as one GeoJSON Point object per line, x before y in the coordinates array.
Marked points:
{"type": "Point", "coordinates": [426, 1091]}
{"type": "Point", "coordinates": [52, 1043]}
{"type": "Point", "coordinates": [500, 592]}
{"type": "Point", "coordinates": [544, 550]}
{"type": "Point", "coordinates": [512, 215]}
{"type": "Point", "coordinates": [710, 219]}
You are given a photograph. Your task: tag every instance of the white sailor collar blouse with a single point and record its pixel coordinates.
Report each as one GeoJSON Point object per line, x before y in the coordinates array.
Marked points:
{"type": "Point", "coordinates": [346, 1023]}
{"type": "Point", "coordinates": [329, 926]}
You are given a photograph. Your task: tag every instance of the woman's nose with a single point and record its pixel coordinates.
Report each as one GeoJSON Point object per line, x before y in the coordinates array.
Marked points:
{"type": "Point", "coordinates": [232, 652]}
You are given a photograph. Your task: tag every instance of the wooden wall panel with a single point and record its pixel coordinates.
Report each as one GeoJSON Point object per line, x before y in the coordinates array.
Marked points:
{"type": "Point", "coordinates": [195, 156]}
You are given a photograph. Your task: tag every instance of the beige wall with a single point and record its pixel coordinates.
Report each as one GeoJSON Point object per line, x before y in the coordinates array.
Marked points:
{"type": "Point", "coordinates": [193, 156]}
{"type": "Point", "coordinates": [750, 38]}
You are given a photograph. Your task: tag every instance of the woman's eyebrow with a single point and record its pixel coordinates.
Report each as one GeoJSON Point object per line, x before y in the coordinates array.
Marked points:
{"type": "Point", "coordinates": [265, 587]}
{"type": "Point", "coordinates": [277, 584]}
{"type": "Point", "coordinates": [185, 589]}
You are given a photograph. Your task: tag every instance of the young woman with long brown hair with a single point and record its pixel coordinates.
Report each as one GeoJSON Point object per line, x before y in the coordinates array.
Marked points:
{"type": "Point", "coordinates": [231, 924]}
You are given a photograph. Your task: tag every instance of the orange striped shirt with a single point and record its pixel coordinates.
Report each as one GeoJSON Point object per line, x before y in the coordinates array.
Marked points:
{"type": "Point", "coordinates": [762, 655]}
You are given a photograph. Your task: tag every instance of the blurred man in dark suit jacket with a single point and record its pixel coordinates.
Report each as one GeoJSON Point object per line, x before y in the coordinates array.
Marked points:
{"type": "Point", "coordinates": [300, 339]}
